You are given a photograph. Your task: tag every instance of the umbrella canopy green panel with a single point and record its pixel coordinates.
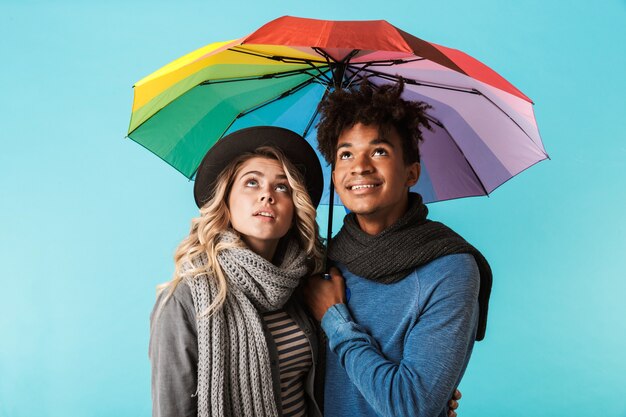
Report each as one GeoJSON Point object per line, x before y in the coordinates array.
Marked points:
{"type": "Point", "coordinates": [183, 131]}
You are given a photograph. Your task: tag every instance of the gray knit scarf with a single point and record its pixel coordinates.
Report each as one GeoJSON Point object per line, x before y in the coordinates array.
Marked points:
{"type": "Point", "coordinates": [234, 374]}
{"type": "Point", "coordinates": [412, 241]}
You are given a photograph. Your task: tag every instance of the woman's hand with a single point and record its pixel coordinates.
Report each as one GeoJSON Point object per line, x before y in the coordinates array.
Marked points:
{"type": "Point", "coordinates": [321, 294]}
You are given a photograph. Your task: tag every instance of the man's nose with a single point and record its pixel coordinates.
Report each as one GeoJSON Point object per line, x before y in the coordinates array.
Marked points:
{"type": "Point", "coordinates": [362, 164]}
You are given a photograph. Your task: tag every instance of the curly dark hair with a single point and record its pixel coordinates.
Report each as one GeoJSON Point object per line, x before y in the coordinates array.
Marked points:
{"type": "Point", "coordinates": [342, 109]}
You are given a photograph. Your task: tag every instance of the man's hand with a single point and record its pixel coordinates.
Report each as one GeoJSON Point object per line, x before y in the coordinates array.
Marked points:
{"type": "Point", "coordinates": [453, 404]}
{"type": "Point", "coordinates": [321, 294]}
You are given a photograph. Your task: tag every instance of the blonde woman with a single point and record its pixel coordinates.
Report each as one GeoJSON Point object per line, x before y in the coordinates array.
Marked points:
{"type": "Point", "coordinates": [227, 338]}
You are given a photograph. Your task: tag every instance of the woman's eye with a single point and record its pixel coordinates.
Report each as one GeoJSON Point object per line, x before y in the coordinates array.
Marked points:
{"type": "Point", "coordinates": [251, 183]}
{"type": "Point", "coordinates": [283, 188]}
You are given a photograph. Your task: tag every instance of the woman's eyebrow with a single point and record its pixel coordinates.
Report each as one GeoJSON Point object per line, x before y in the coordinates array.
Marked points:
{"type": "Point", "coordinates": [260, 174]}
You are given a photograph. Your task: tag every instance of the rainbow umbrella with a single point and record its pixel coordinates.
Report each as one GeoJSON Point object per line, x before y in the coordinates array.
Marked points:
{"type": "Point", "coordinates": [484, 129]}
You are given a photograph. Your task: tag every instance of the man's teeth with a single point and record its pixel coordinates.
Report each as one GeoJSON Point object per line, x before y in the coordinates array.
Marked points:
{"type": "Point", "coordinates": [358, 187]}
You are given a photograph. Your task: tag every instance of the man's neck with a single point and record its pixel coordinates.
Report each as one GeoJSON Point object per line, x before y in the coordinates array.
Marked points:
{"type": "Point", "coordinates": [374, 224]}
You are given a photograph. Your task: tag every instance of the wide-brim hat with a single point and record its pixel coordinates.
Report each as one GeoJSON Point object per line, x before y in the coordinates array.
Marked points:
{"type": "Point", "coordinates": [296, 149]}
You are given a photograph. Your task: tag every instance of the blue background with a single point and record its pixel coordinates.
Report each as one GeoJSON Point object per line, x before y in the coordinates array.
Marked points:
{"type": "Point", "coordinates": [89, 220]}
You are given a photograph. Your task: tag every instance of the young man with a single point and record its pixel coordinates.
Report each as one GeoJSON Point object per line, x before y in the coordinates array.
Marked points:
{"type": "Point", "coordinates": [398, 346]}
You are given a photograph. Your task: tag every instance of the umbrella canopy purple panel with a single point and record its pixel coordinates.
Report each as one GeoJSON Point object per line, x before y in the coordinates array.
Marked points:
{"type": "Point", "coordinates": [482, 136]}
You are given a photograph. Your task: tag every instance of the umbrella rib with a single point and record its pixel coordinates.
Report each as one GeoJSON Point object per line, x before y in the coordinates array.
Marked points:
{"type": "Point", "coordinates": [337, 65]}
{"type": "Point", "coordinates": [438, 123]}
{"type": "Point", "coordinates": [516, 124]}
{"type": "Point", "coordinates": [355, 74]}
{"type": "Point", "coordinates": [410, 81]}
{"type": "Point", "coordinates": [323, 53]}
{"type": "Point", "coordinates": [289, 60]}
{"type": "Point", "coordinates": [279, 97]}
{"type": "Point", "coordinates": [322, 75]}
{"type": "Point", "coordinates": [282, 95]}
{"type": "Point", "coordinates": [315, 113]}
{"type": "Point", "coordinates": [328, 62]}
{"type": "Point", "coordinates": [458, 89]}
{"type": "Point", "coordinates": [391, 62]}
{"type": "Point", "coordinates": [261, 77]}
{"type": "Point", "coordinates": [285, 59]}
{"type": "Point", "coordinates": [323, 81]}
{"type": "Point", "coordinates": [347, 59]}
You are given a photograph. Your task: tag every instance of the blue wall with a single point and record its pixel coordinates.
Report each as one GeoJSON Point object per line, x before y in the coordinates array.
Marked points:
{"type": "Point", "coordinates": [89, 220]}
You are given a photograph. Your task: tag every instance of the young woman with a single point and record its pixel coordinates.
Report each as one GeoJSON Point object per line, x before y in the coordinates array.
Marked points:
{"type": "Point", "coordinates": [226, 337]}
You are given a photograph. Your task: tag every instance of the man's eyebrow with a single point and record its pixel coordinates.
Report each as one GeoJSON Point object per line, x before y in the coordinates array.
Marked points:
{"type": "Point", "coordinates": [377, 141]}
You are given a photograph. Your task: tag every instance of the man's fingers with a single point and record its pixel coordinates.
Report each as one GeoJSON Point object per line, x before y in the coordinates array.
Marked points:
{"type": "Point", "coordinates": [337, 278]}
{"type": "Point", "coordinates": [453, 404]}
{"type": "Point", "coordinates": [457, 394]}
{"type": "Point", "coordinates": [335, 272]}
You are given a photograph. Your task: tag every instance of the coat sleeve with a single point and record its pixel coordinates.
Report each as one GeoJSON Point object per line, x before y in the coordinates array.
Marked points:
{"type": "Point", "coordinates": [173, 354]}
{"type": "Point", "coordinates": [436, 347]}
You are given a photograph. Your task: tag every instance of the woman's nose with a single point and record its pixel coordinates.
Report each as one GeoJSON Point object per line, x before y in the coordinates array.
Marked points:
{"type": "Point", "coordinates": [267, 196]}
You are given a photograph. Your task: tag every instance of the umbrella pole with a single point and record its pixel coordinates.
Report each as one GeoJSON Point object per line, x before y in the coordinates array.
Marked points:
{"type": "Point", "coordinates": [329, 229]}
{"type": "Point", "coordinates": [338, 71]}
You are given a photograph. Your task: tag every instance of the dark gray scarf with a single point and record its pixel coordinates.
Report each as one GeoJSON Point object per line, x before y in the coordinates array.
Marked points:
{"type": "Point", "coordinates": [410, 242]}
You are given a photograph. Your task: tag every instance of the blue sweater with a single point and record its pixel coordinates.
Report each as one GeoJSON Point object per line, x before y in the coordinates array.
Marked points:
{"type": "Point", "coordinates": [401, 349]}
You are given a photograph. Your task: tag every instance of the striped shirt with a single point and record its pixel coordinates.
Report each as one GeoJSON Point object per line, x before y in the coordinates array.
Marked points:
{"type": "Point", "coordinates": [294, 361]}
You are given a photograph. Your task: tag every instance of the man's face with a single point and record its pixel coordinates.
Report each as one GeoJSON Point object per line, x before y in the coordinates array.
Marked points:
{"type": "Point", "coordinates": [370, 175]}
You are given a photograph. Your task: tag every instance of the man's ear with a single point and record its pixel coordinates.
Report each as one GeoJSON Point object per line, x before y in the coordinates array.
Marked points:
{"type": "Point", "coordinates": [413, 174]}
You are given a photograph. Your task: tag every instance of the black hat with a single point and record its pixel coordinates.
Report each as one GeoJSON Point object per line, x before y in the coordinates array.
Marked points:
{"type": "Point", "coordinates": [296, 149]}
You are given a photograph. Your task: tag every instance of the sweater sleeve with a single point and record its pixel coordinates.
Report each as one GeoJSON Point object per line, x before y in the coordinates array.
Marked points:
{"type": "Point", "coordinates": [173, 354]}
{"type": "Point", "coordinates": [435, 349]}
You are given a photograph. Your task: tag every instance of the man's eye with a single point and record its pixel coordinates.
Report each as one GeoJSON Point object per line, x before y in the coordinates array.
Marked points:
{"type": "Point", "coordinates": [380, 151]}
{"type": "Point", "coordinates": [344, 155]}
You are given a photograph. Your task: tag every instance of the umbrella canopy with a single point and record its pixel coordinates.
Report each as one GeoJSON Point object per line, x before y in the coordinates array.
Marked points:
{"type": "Point", "coordinates": [484, 129]}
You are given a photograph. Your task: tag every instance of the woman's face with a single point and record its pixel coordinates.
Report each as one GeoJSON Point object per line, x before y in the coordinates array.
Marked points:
{"type": "Point", "coordinates": [261, 205]}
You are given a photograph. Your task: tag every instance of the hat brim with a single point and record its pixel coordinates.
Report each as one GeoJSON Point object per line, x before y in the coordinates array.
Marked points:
{"type": "Point", "coordinates": [295, 147]}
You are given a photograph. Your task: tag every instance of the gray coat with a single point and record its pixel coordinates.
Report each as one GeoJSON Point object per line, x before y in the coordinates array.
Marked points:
{"type": "Point", "coordinates": [173, 354]}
